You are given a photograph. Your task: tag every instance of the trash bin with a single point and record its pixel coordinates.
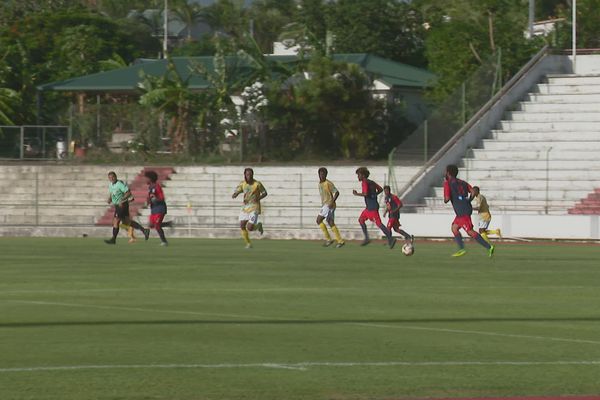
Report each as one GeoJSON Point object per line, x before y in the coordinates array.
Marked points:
{"type": "Point", "coordinates": [61, 149]}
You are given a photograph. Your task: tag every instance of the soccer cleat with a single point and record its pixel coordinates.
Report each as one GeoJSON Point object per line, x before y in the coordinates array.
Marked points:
{"type": "Point", "coordinates": [340, 244]}
{"type": "Point", "coordinates": [459, 253]}
{"type": "Point", "coordinates": [259, 227]}
{"type": "Point", "coordinates": [146, 234]}
{"type": "Point", "coordinates": [365, 242]}
{"type": "Point", "coordinates": [491, 251]}
{"type": "Point", "coordinates": [110, 241]}
{"type": "Point", "coordinates": [393, 243]}
{"type": "Point", "coordinates": [328, 243]}
{"type": "Point", "coordinates": [164, 244]}
{"type": "Point", "coordinates": [248, 246]}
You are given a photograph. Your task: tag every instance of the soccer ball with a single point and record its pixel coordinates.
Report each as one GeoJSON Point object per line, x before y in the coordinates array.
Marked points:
{"type": "Point", "coordinates": [408, 249]}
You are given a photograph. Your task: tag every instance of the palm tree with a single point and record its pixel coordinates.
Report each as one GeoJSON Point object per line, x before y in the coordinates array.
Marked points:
{"type": "Point", "coordinates": [170, 94]}
{"type": "Point", "coordinates": [9, 102]}
{"type": "Point", "coordinates": [189, 14]}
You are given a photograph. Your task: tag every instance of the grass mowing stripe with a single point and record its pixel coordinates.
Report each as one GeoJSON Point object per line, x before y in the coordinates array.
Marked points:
{"type": "Point", "coordinates": [304, 365]}
{"type": "Point", "coordinates": [529, 290]}
{"type": "Point", "coordinates": [371, 325]}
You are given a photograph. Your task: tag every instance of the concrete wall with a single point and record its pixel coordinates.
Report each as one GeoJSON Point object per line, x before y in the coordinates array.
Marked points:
{"type": "Point", "coordinates": [585, 64]}
{"type": "Point", "coordinates": [576, 227]}
{"type": "Point", "coordinates": [570, 227]}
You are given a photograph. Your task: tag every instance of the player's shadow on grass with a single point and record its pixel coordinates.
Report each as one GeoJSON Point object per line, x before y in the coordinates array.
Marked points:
{"type": "Point", "coordinates": [295, 321]}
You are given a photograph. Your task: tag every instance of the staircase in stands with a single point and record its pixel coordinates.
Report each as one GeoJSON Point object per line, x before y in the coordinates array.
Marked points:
{"type": "Point", "coordinates": [544, 157]}
{"type": "Point", "coordinates": [139, 190]}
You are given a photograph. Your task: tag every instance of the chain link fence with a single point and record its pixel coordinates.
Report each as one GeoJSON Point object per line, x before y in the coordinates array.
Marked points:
{"type": "Point", "coordinates": [449, 115]}
{"type": "Point", "coordinates": [41, 142]}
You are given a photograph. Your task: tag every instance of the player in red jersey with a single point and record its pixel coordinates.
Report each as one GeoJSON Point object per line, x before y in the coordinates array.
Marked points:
{"type": "Point", "coordinates": [393, 204]}
{"type": "Point", "coordinates": [458, 193]}
{"type": "Point", "coordinates": [158, 206]}
{"type": "Point", "coordinates": [370, 190]}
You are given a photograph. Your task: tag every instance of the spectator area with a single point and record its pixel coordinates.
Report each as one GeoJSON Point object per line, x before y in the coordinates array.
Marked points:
{"type": "Point", "coordinates": [198, 196]}
{"type": "Point", "coordinates": [543, 158]}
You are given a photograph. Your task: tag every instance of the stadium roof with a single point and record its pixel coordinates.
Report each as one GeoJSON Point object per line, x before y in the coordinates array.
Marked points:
{"type": "Point", "coordinates": [126, 79]}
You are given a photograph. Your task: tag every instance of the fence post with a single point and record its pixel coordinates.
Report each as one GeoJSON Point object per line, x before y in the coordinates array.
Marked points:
{"type": "Point", "coordinates": [392, 176]}
{"type": "Point", "coordinates": [97, 119]}
{"type": "Point", "coordinates": [214, 201]}
{"type": "Point", "coordinates": [37, 199]}
{"type": "Point", "coordinates": [547, 177]}
{"type": "Point", "coordinates": [44, 142]}
{"type": "Point", "coordinates": [301, 203]}
{"type": "Point", "coordinates": [241, 135]}
{"type": "Point", "coordinates": [425, 144]}
{"type": "Point", "coordinates": [22, 141]}
{"type": "Point", "coordinates": [463, 102]}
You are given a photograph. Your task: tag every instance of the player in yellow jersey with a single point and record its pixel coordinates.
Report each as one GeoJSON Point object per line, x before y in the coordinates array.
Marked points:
{"type": "Point", "coordinates": [254, 192]}
{"type": "Point", "coordinates": [329, 195]}
{"type": "Point", "coordinates": [480, 204]}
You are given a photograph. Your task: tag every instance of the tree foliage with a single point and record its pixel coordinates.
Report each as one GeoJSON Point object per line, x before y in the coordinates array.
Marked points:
{"type": "Point", "coordinates": [331, 114]}
{"type": "Point", "coordinates": [464, 34]}
{"type": "Point", "coordinates": [390, 29]}
{"type": "Point", "coordinates": [53, 45]}
{"type": "Point", "coordinates": [588, 26]}
{"type": "Point", "coordinates": [9, 103]}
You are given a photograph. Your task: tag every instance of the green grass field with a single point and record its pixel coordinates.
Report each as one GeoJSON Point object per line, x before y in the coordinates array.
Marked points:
{"type": "Point", "coordinates": [207, 319]}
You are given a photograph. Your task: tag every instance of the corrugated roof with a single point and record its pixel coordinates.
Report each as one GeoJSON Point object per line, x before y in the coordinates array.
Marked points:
{"type": "Point", "coordinates": [126, 79]}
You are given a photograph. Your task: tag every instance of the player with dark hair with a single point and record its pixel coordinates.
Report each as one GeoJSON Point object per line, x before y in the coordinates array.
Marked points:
{"type": "Point", "coordinates": [393, 205]}
{"type": "Point", "coordinates": [120, 196]}
{"type": "Point", "coordinates": [329, 195]}
{"type": "Point", "coordinates": [370, 190]}
{"type": "Point", "coordinates": [158, 206]}
{"type": "Point", "coordinates": [480, 205]}
{"type": "Point", "coordinates": [458, 193]}
{"type": "Point", "coordinates": [254, 192]}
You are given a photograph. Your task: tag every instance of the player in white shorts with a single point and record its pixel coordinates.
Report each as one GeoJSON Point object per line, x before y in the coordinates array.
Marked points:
{"type": "Point", "coordinates": [254, 192]}
{"type": "Point", "coordinates": [329, 195]}
{"type": "Point", "coordinates": [480, 204]}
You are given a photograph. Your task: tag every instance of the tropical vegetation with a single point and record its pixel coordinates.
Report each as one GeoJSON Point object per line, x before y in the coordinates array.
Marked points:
{"type": "Point", "coordinates": [317, 108]}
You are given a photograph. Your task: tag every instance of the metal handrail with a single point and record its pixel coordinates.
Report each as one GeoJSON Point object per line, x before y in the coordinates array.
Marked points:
{"type": "Point", "coordinates": [475, 118]}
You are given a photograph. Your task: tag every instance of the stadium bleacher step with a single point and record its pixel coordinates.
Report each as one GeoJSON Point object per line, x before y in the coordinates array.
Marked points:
{"type": "Point", "coordinates": [138, 188]}
{"type": "Point", "coordinates": [543, 157]}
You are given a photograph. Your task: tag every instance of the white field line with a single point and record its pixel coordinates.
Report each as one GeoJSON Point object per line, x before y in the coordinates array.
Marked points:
{"type": "Point", "coordinates": [139, 309]}
{"type": "Point", "coordinates": [169, 289]}
{"type": "Point", "coordinates": [259, 317]}
{"type": "Point", "coordinates": [518, 239]}
{"type": "Point", "coordinates": [304, 365]}
{"type": "Point", "coordinates": [468, 332]}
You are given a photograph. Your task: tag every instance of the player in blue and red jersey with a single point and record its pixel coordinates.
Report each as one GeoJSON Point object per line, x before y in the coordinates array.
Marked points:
{"type": "Point", "coordinates": [458, 193]}
{"type": "Point", "coordinates": [370, 190]}
{"type": "Point", "coordinates": [158, 205]}
{"type": "Point", "coordinates": [393, 204]}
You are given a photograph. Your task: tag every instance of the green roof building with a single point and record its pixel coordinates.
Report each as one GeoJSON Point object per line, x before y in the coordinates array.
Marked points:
{"type": "Point", "coordinates": [391, 79]}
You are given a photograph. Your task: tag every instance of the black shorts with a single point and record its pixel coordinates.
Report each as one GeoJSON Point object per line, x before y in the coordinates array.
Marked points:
{"type": "Point", "coordinates": [122, 211]}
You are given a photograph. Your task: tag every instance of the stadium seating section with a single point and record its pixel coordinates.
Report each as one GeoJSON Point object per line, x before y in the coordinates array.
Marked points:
{"type": "Point", "coordinates": [544, 156]}
{"type": "Point", "coordinates": [197, 196]}
{"type": "Point", "coordinates": [542, 159]}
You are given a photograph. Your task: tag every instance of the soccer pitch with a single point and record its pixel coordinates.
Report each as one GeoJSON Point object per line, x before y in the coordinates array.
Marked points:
{"type": "Point", "coordinates": [207, 319]}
